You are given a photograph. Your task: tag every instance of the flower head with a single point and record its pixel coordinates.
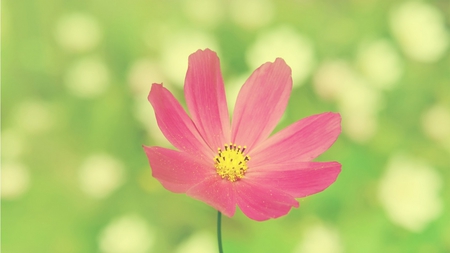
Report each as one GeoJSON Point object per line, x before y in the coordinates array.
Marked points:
{"type": "Point", "coordinates": [225, 164]}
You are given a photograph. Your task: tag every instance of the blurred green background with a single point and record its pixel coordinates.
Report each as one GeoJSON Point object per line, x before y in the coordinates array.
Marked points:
{"type": "Point", "coordinates": [75, 78]}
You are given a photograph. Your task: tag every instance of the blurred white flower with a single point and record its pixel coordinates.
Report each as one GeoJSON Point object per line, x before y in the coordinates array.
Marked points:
{"type": "Point", "coordinates": [380, 63]}
{"type": "Point", "coordinates": [436, 124]}
{"type": "Point", "coordinates": [201, 242]}
{"type": "Point", "coordinates": [359, 98]}
{"type": "Point", "coordinates": [332, 78]}
{"type": "Point", "coordinates": [34, 116]}
{"type": "Point", "coordinates": [207, 13]}
{"type": "Point", "coordinates": [100, 175]}
{"type": "Point", "coordinates": [419, 28]}
{"type": "Point", "coordinates": [88, 77]}
{"type": "Point", "coordinates": [284, 42]}
{"type": "Point", "coordinates": [78, 32]}
{"type": "Point", "coordinates": [252, 14]}
{"type": "Point", "coordinates": [409, 192]}
{"type": "Point", "coordinates": [360, 127]}
{"type": "Point", "coordinates": [178, 47]}
{"type": "Point", "coordinates": [15, 180]}
{"type": "Point", "coordinates": [142, 74]}
{"type": "Point", "coordinates": [358, 102]}
{"type": "Point", "coordinates": [127, 234]}
{"type": "Point", "coordinates": [320, 238]}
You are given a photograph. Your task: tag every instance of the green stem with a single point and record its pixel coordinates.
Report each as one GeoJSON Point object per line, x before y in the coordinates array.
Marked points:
{"type": "Point", "coordinates": [219, 231]}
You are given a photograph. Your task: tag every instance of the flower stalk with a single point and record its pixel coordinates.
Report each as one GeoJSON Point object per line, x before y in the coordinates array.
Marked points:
{"type": "Point", "coordinates": [219, 231]}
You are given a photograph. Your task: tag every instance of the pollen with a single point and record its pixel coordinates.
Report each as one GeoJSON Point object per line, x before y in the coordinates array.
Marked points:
{"type": "Point", "coordinates": [231, 163]}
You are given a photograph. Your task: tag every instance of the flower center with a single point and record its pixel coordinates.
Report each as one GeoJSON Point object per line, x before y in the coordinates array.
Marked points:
{"type": "Point", "coordinates": [231, 163]}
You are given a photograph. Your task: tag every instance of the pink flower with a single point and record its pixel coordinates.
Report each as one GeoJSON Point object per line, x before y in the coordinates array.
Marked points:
{"type": "Point", "coordinates": [226, 165]}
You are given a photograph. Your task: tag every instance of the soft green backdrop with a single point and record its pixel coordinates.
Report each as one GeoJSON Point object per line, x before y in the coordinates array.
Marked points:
{"type": "Point", "coordinates": [75, 76]}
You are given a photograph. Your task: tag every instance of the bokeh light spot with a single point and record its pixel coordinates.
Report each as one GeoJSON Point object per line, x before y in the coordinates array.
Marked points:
{"type": "Point", "coordinates": [87, 78]}
{"type": "Point", "coordinates": [78, 32]}
{"type": "Point", "coordinates": [409, 191]}
{"type": "Point", "coordinates": [100, 175]}
{"type": "Point", "coordinates": [420, 29]}
{"type": "Point", "coordinates": [15, 180]}
{"type": "Point", "coordinates": [283, 42]}
{"type": "Point", "coordinates": [126, 234]}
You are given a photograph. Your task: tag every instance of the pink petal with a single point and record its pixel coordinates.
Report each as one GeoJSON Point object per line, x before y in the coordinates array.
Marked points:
{"type": "Point", "coordinates": [176, 125]}
{"type": "Point", "coordinates": [216, 192]}
{"type": "Point", "coordinates": [302, 141]}
{"type": "Point", "coordinates": [260, 202]}
{"type": "Point", "coordinates": [261, 103]}
{"type": "Point", "coordinates": [205, 98]}
{"type": "Point", "coordinates": [177, 171]}
{"type": "Point", "coordinates": [299, 179]}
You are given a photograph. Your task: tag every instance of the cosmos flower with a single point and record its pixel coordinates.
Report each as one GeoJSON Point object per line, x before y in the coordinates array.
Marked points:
{"type": "Point", "coordinates": [225, 164]}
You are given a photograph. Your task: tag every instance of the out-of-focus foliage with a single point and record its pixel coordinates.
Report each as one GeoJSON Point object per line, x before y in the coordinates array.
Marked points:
{"type": "Point", "coordinates": [75, 76]}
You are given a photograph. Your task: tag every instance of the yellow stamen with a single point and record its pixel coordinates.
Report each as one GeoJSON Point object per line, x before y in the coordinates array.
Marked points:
{"type": "Point", "coordinates": [231, 163]}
